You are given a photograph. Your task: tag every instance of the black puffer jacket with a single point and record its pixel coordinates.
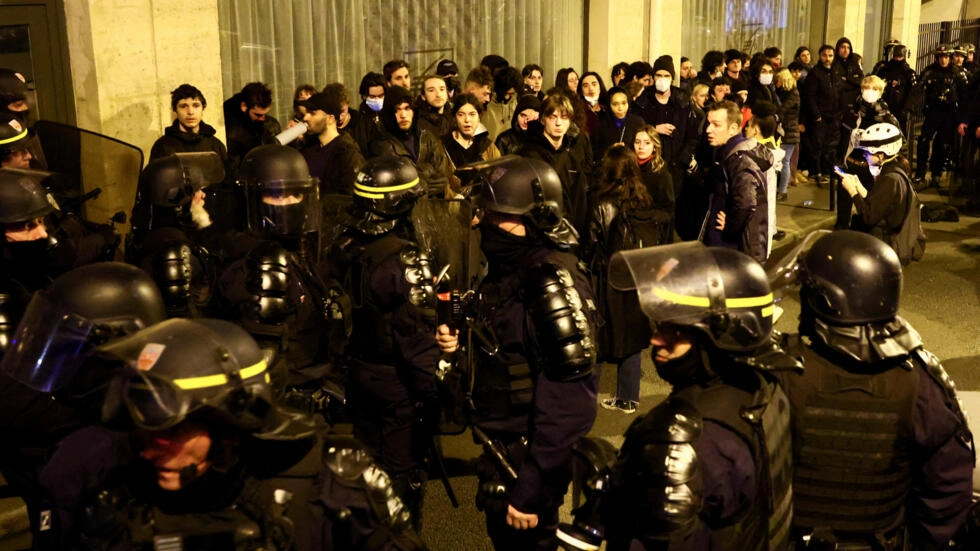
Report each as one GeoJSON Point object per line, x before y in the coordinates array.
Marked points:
{"type": "Point", "coordinates": [789, 115]}
{"type": "Point", "coordinates": [740, 191]}
{"type": "Point", "coordinates": [848, 73]}
{"type": "Point", "coordinates": [821, 95]}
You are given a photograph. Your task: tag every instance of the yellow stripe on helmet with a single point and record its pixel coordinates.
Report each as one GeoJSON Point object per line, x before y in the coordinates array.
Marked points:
{"type": "Point", "coordinates": [207, 381]}
{"type": "Point", "coordinates": [705, 302]}
{"type": "Point", "coordinates": [14, 139]}
{"type": "Point", "coordinates": [399, 187]}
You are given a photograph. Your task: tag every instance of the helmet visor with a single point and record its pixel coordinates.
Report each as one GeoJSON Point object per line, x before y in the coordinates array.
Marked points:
{"type": "Point", "coordinates": [154, 403]}
{"type": "Point", "coordinates": [285, 208]}
{"type": "Point", "coordinates": [48, 346]}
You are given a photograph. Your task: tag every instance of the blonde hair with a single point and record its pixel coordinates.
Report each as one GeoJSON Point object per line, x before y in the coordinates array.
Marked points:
{"type": "Point", "coordinates": [873, 81]}
{"type": "Point", "coordinates": [698, 88]}
{"type": "Point", "coordinates": [657, 160]}
{"type": "Point", "coordinates": [785, 79]}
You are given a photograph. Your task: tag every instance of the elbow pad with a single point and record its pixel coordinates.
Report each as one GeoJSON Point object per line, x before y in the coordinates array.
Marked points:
{"type": "Point", "coordinates": [267, 274]}
{"type": "Point", "coordinates": [564, 333]}
{"type": "Point", "coordinates": [172, 270]}
{"type": "Point", "coordinates": [9, 317]}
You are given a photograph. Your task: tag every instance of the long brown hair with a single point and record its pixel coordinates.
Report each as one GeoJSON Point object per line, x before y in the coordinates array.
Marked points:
{"type": "Point", "coordinates": [620, 180]}
{"type": "Point", "coordinates": [657, 160]}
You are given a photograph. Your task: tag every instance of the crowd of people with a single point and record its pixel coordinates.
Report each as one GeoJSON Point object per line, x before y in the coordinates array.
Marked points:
{"type": "Point", "coordinates": [475, 248]}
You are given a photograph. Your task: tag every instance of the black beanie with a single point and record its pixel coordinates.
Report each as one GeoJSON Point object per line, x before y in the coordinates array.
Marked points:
{"type": "Point", "coordinates": [665, 63]}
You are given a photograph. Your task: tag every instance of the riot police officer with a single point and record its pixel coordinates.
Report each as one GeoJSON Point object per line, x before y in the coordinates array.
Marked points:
{"type": "Point", "coordinates": [216, 463]}
{"type": "Point", "coordinates": [272, 285]}
{"type": "Point", "coordinates": [169, 238]}
{"type": "Point", "coordinates": [940, 86]}
{"type": "Point", "coordinates": [15, 143]}
{"type": "Point", "coordinates": [391, 389]}
{"type": "Point", "coordinates": [82, 309]}
{"type": "Point", "coordinates": [13, 94]}
{"type": "Point", "coordinates": [881, 450]}
{"type": "Point", "coordinates": [535, 386]}
{"type": "Point", "coordinates": [899, 80]}
{"type": "Point", "coordinates": [708, 468]}
{"type": "Point", "coordinates": [26, 250]}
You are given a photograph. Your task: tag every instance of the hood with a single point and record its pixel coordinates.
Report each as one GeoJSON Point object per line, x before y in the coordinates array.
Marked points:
{"type": "Point", "coordinates": [204, 131]}
{"type": "Point", "coordinates": [843, 40]}
{"type": "Point", "coordinates": [528, 101]}
{"type": "Point", "coordinates": [395, 96]}
{"type": "Point", "coordinates": [750, 148]}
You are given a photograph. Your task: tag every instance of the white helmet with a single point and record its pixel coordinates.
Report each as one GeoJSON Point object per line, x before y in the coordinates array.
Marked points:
{"type": "Point", "coordinates": [883, 138]}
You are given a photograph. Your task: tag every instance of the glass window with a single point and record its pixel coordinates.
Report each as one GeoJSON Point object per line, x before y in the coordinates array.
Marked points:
{"type": "Point", "coordinates": [746, 25]}
{"type": "Point", "coordinates": [288, 43]}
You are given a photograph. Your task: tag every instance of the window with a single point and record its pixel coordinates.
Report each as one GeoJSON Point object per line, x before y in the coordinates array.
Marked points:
{"type": "Point", "coordinates": [746, 25]}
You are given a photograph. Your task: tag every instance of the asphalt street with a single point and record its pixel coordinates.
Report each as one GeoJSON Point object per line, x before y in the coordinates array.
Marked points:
{"type": "Point", "coordinates": [940, 298]}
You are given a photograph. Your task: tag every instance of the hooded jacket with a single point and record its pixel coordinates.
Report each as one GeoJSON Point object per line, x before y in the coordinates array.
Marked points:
{"type": "Point", "coordinates": [510, 141]}
{"type": "Point", "coordinates": [573, 163]}
{"type": "Point", "coordinates": [848, 73]}
{"type": "Point", "coordinates": [175, 140]}
{"type": "Point", "coordinates": [740, 191]}
{"type": "Point", "coordinates": [419, 145]}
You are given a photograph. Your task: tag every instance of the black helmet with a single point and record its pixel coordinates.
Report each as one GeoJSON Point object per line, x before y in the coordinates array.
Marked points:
{"type": "Point", "coordinates": [13, 88]}
{"type": "Point", "coordinates": [281, 196]}
{"type": "Point", "coordinates": [168, 184]}
{"type": "Point", "coordinates": [23, 196]}
{"type": "Point", "coordinates": [900, 51]}
{"type": "Point", "coordinates": [14, 136]}
{"type": "Point", "coordinates": [388, 186]}
{"type": "Point", "coordinates": [529, 188]}
{"type": "Point", "coordinates": [720, 292]}
{"type": "Point", "coordinates": [850, 278]}
{"type": "Point", "coordinates": [959, 49]}
{"type": "Point", "coordinates": [80, 310]}
{"type": "Point", "coordinates": [204, 368]}
{"type": "Point", "coordinates": [941, 50]}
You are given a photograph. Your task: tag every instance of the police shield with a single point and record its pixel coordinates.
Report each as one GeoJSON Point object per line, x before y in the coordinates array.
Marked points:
{"type": "Point", "coordinates": [90, 163]}
{"type": "Point", "coordinates": [444, 230]}
{"type": "Point", "coordinates": [333, 216]}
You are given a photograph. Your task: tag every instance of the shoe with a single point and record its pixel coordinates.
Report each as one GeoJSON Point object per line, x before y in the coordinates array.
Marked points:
{"type": "Point", "coordinates": [823, 180]}
{"type": "Point", "coordinates": [781, 196]}
{"type": "Point", "coordinates": [627, 407]}
{"type": "Point", "coordinates": [778, 235]}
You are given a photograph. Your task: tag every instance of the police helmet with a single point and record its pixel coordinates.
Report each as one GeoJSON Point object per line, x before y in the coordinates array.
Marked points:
{"type": "Point", "coordinates": [722, 293]}
{"type": "Point", "coordinates": [882, 137]}
{"type": "Point", "coordinates": [942, 50]}
{"type": "Point", "coordinates": [167, 186]}
{"type": "Point", "coordinates": [281, 197]}
{"type": "Point", "coordinates": [850, 278]}
{"type": "Point", "coordinates": [959, 49]}
{"type": "Point", "coordinates": [969, 47]}
{"type": "Point", "coordinates": [900, 51]}
{"type": "Point", "coordinates": [206, 369]}
{"type": "Point", "coordinates": [80, 310]}
{"type": "Point", "coordinates": [13, 87]}
{"type": "Point", "coordinates": [388, 186]}
{"type": "Point", "coordinates": [23, 196]}
{"type": "Point", "coordinates": [14, 136]}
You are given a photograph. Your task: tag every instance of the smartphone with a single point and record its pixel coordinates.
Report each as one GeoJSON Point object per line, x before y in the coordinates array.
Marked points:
{"type": "Point", "coordinates": [839, 171]}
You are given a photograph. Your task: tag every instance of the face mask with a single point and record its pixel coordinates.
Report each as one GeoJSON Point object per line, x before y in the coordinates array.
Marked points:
{"type": "Point", "coordinates": [870, 96]}
{"type": "Point", "coordinates": [875, 170]}
{"type": "Point", "coordinates": [592, 99]}
{"type": "Point", "coordinates": [765, 80]}
{"type": "Point", "coordinates": [375, 104]}
{"type": "Point", "coordinates": [662, 84]}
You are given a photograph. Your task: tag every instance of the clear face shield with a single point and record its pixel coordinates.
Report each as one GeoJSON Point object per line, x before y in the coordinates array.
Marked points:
{"type": "Point", "coordinates": [51, 343]}
{"type": "Point", "coordinates": [284, 208]}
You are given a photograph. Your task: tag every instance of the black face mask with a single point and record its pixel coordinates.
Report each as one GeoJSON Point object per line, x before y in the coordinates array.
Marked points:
{"type": "Point", "coordinates": [504, 250]}
{"type": "Point", "coordinates": [680, 372]}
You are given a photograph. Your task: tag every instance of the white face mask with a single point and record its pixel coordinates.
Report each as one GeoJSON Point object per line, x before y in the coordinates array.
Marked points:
{"type": "Point", "coordinates": [592, 99]}
{"type": "Point", "coordinates": [662, 84]}
{"type": "Point", "coordinates": [875, 170]}
{"type": "Point", "coordinates": [870, 96]}
{"type": "Point", "coordinates": [375, 104]}
{"type": "Point", "coordinates": [765, 79]}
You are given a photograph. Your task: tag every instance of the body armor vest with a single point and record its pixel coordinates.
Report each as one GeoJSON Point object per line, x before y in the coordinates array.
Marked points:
{"type": "Point", "coordinates": [852, 470]}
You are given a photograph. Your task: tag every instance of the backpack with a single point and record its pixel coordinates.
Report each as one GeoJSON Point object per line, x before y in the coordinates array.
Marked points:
{"type": "Point", "coordinates": [909, 239]}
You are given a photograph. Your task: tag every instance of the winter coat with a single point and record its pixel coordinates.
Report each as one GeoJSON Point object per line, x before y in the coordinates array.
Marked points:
{"type": "Point", "coordinates": [607, 133]}
{"type": "Point", "coordinates": [789, 115]}
{"type": "Point", "coordinates": [573, 163]}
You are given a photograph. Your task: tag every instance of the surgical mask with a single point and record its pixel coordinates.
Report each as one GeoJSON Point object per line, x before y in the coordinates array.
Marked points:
{"type": "Point", "coordinates": [375, 104]}
{"type": "Point", "coordinates": [765, 79]}
{"type": "Point", "coordinates": [662, 84]}
{"type": "Point", "coordinates": [870, 96]}
{"type": "Point", "coordinates": [592, 99]}
{"type": "Point", "coordinates": [875, 170]}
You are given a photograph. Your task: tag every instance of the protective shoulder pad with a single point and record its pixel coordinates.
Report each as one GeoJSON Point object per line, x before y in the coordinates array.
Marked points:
{"type": "Point", "coordinates": [172, 270]}
{"type": "Point", "coordinates": [352, 466]}
{"type": "Point", "coordinates": [656, 482]}
{"type": "Point", "coordinates": [565, 339]}
{"type": "Point", "coordinates": [418, 274]}
{"type": "Point", "coordinates": [934, 368]}
{"type": "Point", "coordinates": [267, 272]}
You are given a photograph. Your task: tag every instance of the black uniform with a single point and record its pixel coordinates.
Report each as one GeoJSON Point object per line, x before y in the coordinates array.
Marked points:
{"type": "Point", "coordinates": [899, 80]}
{"type": "Point", "coordinates": [940, 90]}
